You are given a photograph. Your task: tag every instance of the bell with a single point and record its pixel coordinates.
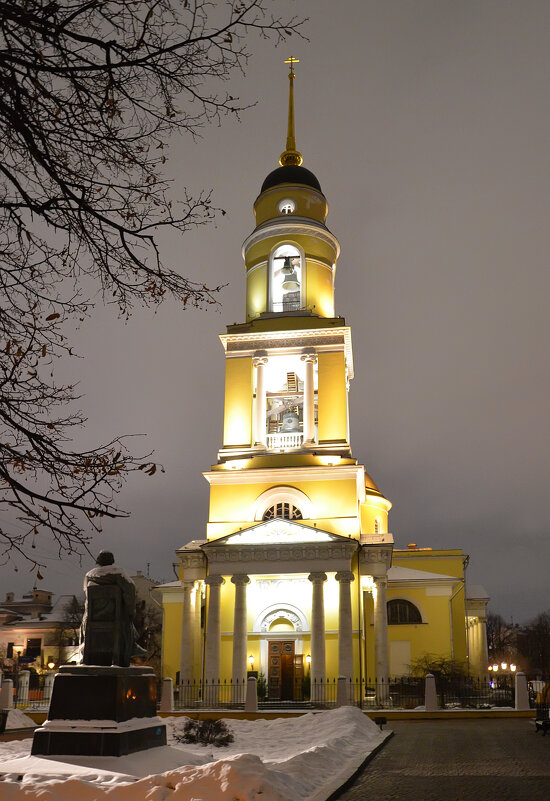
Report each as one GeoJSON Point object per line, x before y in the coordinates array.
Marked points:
{"type": "Point", "coordinates": [291, 281]}
{"type": "Point", "coordinates": [286, 268]}
{"type": "Point", "coordinates": [291, 422]}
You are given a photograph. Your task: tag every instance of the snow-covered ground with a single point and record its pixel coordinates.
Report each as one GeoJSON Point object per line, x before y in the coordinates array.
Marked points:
{"type": "Point", "coordinates": [18, 720]}
{"type": "Point", "coordinates": [294, 759]}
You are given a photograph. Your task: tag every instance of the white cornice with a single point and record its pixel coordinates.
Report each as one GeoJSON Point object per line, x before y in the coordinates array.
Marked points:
{"type": "Point", "coordinates": [282, 474]}
{"type": "Point", "coordinates": [291, 227]}
{"type": "Point", "coordinates": [299, 558]}
{"type": "Point", "coordinates": [285, 341]}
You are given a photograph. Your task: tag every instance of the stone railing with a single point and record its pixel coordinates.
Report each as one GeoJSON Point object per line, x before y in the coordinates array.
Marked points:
{"type": "Point", "coordinates": [283, 441]}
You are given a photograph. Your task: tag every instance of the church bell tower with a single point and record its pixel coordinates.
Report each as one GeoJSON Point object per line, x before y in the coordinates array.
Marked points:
{"type": "Point", "coordinates": [297, 532]}
{"type": "Point", "coordinates": [288, 367]}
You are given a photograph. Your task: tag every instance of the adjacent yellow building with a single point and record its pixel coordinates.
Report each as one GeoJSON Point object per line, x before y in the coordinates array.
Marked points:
{"type": "Point", "coordinates": [298, 574]}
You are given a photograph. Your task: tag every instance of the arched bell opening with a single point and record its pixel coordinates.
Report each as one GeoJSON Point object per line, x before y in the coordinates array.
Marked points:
{"type": "Point", "coordinates": [286, 279]}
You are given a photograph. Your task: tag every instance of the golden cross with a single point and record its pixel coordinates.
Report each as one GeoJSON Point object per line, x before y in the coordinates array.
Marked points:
{"type": "Point", "coordinates": [292, 61]}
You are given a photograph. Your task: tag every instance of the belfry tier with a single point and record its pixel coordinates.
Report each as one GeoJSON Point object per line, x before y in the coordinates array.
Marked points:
{"type": "Point", "coordinates": [288, 367]}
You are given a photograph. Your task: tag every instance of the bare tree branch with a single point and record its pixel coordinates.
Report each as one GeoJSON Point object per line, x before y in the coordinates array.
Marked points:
{"type": "Point", "coordinates": [91, 90]}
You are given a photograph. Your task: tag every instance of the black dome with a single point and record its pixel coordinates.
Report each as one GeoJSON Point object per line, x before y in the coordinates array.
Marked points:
{"type": "Point", "coordinates": [292, 174]}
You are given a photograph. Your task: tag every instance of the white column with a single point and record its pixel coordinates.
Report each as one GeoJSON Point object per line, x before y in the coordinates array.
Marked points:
{"type": "Point", "coordinates": [477, 648]}
{"type": "Point", "coordinates": [484, 649]}
{"type": "Point", "coordinates": [318, 660]}
{"type": "Point", "coordinates": [239, 628]}
{"type": "Point", "coordinates": [186, 652]}
{"type": "Point", "coordinates": [381, 658]}
{"type": "Point", "coordinates": [309, 398]}
{"type": "Point", "coordinates": [345, 631]}
{"type": "Point", "coordinates": [259, 363]}
{"type": "Point", "coordinates": [197, 632]}
{"type": "Point", "coordinates": [213, 629]}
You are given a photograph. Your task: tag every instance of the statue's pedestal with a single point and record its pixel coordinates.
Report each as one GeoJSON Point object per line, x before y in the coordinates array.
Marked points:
{"type": "Point", "coordinates": [101, 711]}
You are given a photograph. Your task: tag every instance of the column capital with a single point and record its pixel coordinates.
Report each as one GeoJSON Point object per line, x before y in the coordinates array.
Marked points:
{"type": "Point", "coordinates": [380, 581]}
{"type": "Point", "coordinates": [259, 358]}
{"type": "Point", "coordinates": [240, 579]}
{"type": "Point", "coordinates": [345, 576]}
{"type": "Point", "coordinates": [214, 581]}
{"type": "Point", "coordinates": [187, 584]}
{"type": "Point", "coordinates": [317, 578]}
{"type": "Point", "coordinates": [309, 355]}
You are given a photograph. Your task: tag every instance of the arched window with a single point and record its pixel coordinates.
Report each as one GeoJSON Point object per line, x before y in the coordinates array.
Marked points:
{"type": "Point", "coordinates": [287, 206]}
{"type": "Point", "coordinates": [401, 611]}
{"type": "Point", "coordinates": [285, 279]}
{"type": "Point", "coordinates": [272, 498]}
{"type": "Point", "coordinates": [284, 509]}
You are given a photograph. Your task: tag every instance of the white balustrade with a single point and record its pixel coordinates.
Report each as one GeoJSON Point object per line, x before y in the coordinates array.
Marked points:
{"type": "Point", "coordinates": [285, 440]}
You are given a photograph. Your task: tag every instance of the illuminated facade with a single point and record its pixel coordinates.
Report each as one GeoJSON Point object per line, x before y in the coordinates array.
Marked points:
{"type": "Point", "coordinates": [296, 571]}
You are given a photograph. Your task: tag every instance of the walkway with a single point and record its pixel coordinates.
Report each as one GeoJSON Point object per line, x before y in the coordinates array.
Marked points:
{"type": "Point", "coordinates": [462, 760]}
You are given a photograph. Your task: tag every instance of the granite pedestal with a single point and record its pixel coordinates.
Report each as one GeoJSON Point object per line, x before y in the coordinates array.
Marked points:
{"type": "Point", "coordinates": [101, 711]}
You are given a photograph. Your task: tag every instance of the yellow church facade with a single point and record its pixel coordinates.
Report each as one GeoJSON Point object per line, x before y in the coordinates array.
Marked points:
{"type": "Point", "coordinates": [297, 573]}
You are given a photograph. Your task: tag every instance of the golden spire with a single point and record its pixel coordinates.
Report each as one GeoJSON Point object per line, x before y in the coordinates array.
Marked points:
{"type": "Point", "coordinates": [291, 156]}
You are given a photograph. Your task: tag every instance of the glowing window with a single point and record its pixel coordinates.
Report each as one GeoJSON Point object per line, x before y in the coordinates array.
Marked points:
{"type": "Point", "coordinates": [401, 611]}
{"type": "Point", "coordinates": [285, 279]}
{"type": "Point", "coordinates": [287, 206]}
{"type": "Point", "coordinates": [285, 510]}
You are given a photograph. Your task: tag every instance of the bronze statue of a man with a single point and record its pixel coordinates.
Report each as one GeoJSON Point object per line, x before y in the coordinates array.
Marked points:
{"type": "Point", "coordinates": [108, 632]}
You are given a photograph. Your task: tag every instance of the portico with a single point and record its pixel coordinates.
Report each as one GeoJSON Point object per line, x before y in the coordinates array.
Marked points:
{"type": "Point", "coordinates": [308, 601]}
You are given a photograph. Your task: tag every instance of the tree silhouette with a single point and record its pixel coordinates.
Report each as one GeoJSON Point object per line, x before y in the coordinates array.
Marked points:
{"type": "Point", "coordinates": [91, 91]}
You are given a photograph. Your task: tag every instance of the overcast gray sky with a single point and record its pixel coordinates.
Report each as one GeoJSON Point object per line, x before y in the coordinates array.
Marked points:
{"type": "Point", "coordinates": [428, 126]}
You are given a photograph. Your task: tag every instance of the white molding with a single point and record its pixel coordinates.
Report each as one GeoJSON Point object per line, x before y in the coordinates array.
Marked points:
{"type": "Point", "coordinates": [293, 226]}
{"type": "Point", "coordinates": [225, 560]}
{"type": "Point", "coordinates": [286, 610]}
{"type": "Point", "coordinates": [262, 475]}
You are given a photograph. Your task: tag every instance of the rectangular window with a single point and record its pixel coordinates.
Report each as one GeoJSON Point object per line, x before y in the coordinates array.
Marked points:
{"type": "Point", "coordinates": [9, 650]}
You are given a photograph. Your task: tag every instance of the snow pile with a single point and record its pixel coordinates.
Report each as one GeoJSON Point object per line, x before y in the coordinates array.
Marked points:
{"type": "Point", "coordinates": [293, 759]}
{"type": "Point", "coordinates": [18, 720]}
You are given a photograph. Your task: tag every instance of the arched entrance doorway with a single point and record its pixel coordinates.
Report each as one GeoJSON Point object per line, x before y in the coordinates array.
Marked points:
{"type": "Point", "coordinates": [281, 648]}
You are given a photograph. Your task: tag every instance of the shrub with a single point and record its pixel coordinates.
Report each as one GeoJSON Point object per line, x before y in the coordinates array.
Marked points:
{"type": "Point", "coordinates": [206, 732]}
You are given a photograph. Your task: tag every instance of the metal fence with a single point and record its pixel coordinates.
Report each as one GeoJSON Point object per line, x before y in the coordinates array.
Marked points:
{"type": "Point", "coordinates": [31, 691]}
{"type": "Point", "coordinates": [472, 693]}
{"type": "Point", "coordinates": [401, 693]}
{"type": "Point", "coordinates": [226, 694]}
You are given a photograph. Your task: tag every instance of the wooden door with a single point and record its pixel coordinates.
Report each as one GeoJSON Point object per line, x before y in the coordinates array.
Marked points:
{"type": "Point", "coordinates": [281, 670]}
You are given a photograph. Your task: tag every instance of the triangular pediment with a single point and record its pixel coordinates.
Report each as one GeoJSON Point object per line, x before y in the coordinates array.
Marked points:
{"type": "Point", "coordinates": [277, 532]}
